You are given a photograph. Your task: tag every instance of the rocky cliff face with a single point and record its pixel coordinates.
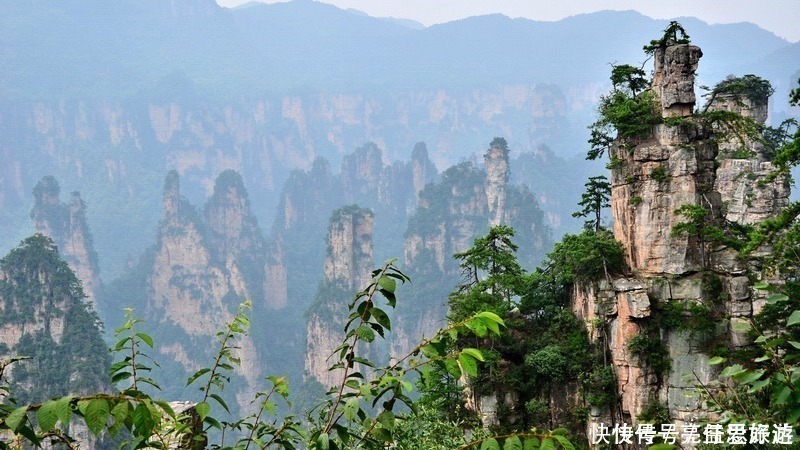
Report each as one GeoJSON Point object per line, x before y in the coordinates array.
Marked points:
{"type": "Point", "coordinates": [747, 198]}
{"type": "Point", "coordinates": [390, 190]}
{"type": "Point", "coordinates": [263, 139]}
{"type": "Point", "coordinates": [465, 203]}
{"type": "Point", "coordinates": [347, 268]}
{"type": "Point", "coordinates": [652, 177]}
{"type": "Point", "coordinates": [202, 267]}
{"type": "Point", "coordinates": [66, 225]}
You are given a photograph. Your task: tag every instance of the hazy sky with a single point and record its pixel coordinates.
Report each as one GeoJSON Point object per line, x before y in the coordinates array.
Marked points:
{"type": "Point", "coordinates": [782, 17]}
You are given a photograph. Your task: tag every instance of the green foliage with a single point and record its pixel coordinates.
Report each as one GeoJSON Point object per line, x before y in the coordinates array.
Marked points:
{"type": "Point", "coordinates": [673, 34]}
{"type": "Point", "coordinates": [650, 349]}
{"type": "Point", "coordinates": [549, 362]}
{"type": "Point", "coordinates": [361, 412]}
{"type": "Point", "coordinates": [654, 412]}
{"type": "Point", "coordinates": [596, 197]}
{"type": "Point", "coordinates": [38, 290]}
{"type": "Point", "coordinates": [779, 138]}
{"type": "Point", "coordinates": [629, 79]}
{"type": "Point", "coordinates": [700, 226]}
{"type": "Point", "coordinates": [428, 429]}
{"type": "Point", "coordinates": [546, 345]}
{"type": "Point", "coordinates": [586, 256]}
{"type": "Point", "coordinates": [600, 386]}
{"type": "Point", "coordinates": [731, 126]}
{"type": "Point", "coordinates": [788, 154]}
{"type": "Point", "coordinates": [754, 88]}
{"type": "Point", "coordinates": [492, 276]}
{"type": "Point", "coordinates": [659, 173]}
{"type": "Point", "coordinates": [630, 117]}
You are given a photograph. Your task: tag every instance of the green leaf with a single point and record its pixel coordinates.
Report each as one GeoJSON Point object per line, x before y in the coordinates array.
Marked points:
{"type": "Point", "coordinates": [716, 360]}
{"type": "Point", "coordinates": [119, 376]}
{"type": "Point", "coordinates": [757, 385]}
{"type": "Point", "coordinates": [203, 408]}
{"type": "Point", "coordinates": [474, 352]}
{"type": "Point", "coordinates": [381, 317]}
{"type": "Point", "coordinates": [220, 401]}
{"type": "Point", "coordinates": [96, 415]}
{"type": "Point", "coordinates": [794, 414]}
{"type": "Point", "coordinates": [63, 410]}
{"type": "Point", "coordinates": [794, 318]}
{"type": "Point", "coordinates": [492, 316]}
{"type": "Point", "coordinates": [387, 283]}
{"type": "Point", "coordinates": [46, 416]}
{"type": "Point", "coordinates": [490, 444]}
{"type": "Point", "coordinates": [323, 441]}
{"type": "Point", "coordinates": [782, 395]}
{"type": "Point", "coordinates": [351, 408]}
{"type": "Point", "coordinates": [531, 443]}
{"type": "Point", "coordinates": [17, 416]}
{"type": "Point", "coordinates": [477, 326]}
{"type": "Point", "coordinates": [120, 411]}
{"type": "Point", "coordinates": [146, 338]}
{"type": "Point", "coordinates": [430, 351]}
{"type": "Point", "coordinates": [390, 298]}
{"type": "Point", "coordinates": [564, 442]}
{"type": "Point", "coordinates": [777, 298]}
{"type": "Point", "coordinates": [547, 444]}
{"type": "Point", "coordinates": [213, 422]}
{"type": "Point", "coordinates": [197, 375]}
{"type": "Point", "coordinates": [762, 286]}
{"type": "Point", "coordinates": [453, 368]}
{"type": "Point", "coordinates": [381, 433]}
{"type": "Point", "coordinates": [143, 420]}
{"type": "Point", "coordinates": [468, 364]}
{"type": "Point", "coordinates": [512, 443]}
{"type": "Point", "coordinates": [365, 333]}
{"type": "Point", "coordinates": [387, 420]}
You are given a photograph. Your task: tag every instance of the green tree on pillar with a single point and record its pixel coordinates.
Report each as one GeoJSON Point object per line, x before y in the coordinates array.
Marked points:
{"type": "Point", "coordinates": [596, 197]}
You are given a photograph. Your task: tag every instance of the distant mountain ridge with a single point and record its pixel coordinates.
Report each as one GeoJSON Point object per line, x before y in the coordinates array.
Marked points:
{"type": "Point", "coordinates": [99, 49]}
{"type": "Point", "coordinates": [108, 96]}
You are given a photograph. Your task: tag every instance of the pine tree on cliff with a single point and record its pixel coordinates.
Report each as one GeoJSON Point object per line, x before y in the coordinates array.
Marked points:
{"type": "Point", "coordinates": [596, 197]}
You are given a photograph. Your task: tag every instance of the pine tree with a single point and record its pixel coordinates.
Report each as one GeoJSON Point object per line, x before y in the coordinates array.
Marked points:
{"type": "Point", "coordinates": [596, 197]}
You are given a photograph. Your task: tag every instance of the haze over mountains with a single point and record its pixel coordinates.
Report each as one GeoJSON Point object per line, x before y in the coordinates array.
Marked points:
{"type": "Point", "coordinates": [131, 89]}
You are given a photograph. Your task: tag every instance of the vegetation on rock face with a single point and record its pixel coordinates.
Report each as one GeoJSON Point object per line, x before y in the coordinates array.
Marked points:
{"type": "Point", "coordinates": [546, 347]}
{"type": "Point", "coordinates": [629, 110]}
{"type": "Point", "coordinates": [673, 34]}
{"type": "Point", "coordinates": [764, 376]}
{"type": "Point", "coordinates": [363, 411]}
{"type": "Point", "coordinates": [42, 300]}
{"type": "Point", "coordinates": [750, 86]}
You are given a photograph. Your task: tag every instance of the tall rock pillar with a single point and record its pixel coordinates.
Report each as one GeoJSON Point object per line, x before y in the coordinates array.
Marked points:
{"type": "Point", "coordinates": [655, 176]}
{"type": "Point", "coordinates": [497, 174]}
{"type": "Point", "coordinates": [66, 224]}
{"type": "Point", "coordinates": [347, 269]}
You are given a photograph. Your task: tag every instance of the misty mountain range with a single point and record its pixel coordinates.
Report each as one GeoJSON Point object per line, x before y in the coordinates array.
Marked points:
{"type": "Point", "coordinates": [109, 96]}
